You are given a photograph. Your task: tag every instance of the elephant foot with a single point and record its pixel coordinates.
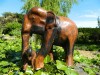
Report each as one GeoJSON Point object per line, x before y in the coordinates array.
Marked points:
{"type": "Point", "coordinates": [69, 64]}
{"type": "Point", "coordinates": [39, 62]}
{"type": "Point", "coordinates": [69, 61]}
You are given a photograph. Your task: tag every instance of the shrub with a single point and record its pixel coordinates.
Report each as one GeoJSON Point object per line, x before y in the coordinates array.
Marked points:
{"type": "Point", "coordinates": [12, 28]}
{"type": "Point", "coordinates": [88, 35]}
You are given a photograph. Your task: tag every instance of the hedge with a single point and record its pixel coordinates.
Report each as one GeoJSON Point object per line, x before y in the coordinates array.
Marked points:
{"type": "Point", "coordinates": [88, 35]}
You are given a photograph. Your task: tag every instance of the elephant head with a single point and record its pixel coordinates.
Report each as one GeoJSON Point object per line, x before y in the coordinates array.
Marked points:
{"type": "Point", "coordinates": [37, 20]}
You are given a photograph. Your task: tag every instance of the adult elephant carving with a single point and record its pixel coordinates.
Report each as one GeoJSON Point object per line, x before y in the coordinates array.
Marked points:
{"type": "Point", "coordinates": [55, 30]}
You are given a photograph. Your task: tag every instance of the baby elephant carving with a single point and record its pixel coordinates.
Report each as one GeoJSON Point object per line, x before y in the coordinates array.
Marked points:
{"type": "Point", "coordinates": [55, 30]}
{"type": "Point", "coordinates": [29, 56]}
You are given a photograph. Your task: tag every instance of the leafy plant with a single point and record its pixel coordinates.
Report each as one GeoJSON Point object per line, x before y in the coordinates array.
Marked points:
{"type": "Point", "coordinates": [13, 28]}
{"type": "Point", "coordinates": [61, 66]}
{"type": "Point", "coordinates": [11, 64]}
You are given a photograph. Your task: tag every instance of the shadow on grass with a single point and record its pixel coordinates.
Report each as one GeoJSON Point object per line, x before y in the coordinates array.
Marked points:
{"type": "Point", "coordinates": [12, 61]}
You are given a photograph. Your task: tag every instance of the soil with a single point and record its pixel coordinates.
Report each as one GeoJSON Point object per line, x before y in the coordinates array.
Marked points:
{"type": "Point", "coordinates": [89, 54]}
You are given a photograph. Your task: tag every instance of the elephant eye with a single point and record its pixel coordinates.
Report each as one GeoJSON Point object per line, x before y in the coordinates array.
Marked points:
{"type": "Point", "coordinates": [49, 20]}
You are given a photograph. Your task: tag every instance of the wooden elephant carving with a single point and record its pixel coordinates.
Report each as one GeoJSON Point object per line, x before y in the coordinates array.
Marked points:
{"type": "Point", "coordinates": [55, 30]}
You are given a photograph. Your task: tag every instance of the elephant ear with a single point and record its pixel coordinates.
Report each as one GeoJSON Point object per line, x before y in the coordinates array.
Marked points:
{"type": "Point", "coordinates": [50, 17]}
{"type": "Point", "coordinates": [50, 20]}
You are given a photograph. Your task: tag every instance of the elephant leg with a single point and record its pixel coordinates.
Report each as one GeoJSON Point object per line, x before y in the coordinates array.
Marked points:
{"type": "Point", "coordinates": [25, 45]}
{"type": "Point", "coordinates": [69, 48]}
{"type": "Point", "coordinates": [26, 29]}
{"type": "Point", "coordinates": [45, 48]}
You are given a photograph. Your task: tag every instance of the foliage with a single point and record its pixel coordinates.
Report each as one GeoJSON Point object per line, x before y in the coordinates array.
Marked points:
{"type": "Point", "coordinates": [8, 14]}
{"type": "Point", "coordinates": [89, 35]}
{"type": "Point", "coordinates": [62, 66]}
{"type": "Point", "coordinates": [9, 17]}
{"type": "Point", "coordinates": [19, 17]}
{"type": "Point", "coordinates": [90, 47]}
{"type": "Point", "coordinates": [12, 28]}
{"type": "Point", "coordinates": [10, 56]}
{"type": "Point", "coordinates": [11, 64]}
{"type": "Point", "coordinates": [62, 6]}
